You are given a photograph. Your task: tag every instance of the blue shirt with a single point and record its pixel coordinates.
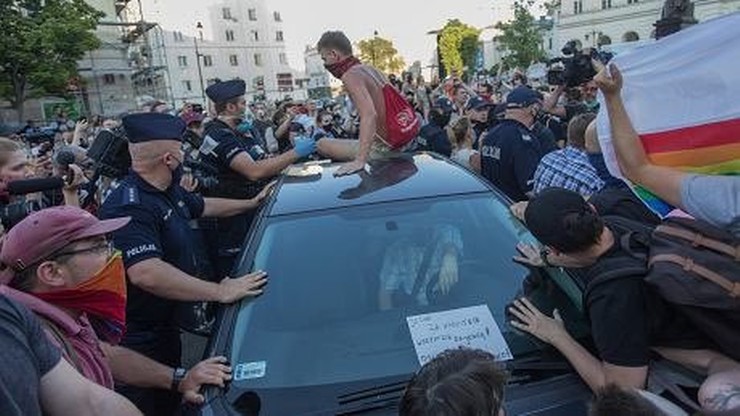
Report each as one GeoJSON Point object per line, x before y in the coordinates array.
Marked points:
{"type": "Point", "coordinates": [159, 228]}
{"type": "Point", "coordinates": [510, 153]}
{"type": "Point", "coordinates": [568, 168]}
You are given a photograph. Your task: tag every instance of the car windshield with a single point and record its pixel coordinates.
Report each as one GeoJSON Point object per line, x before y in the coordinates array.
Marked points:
{"type": "Point", "coordinates": [342, 282]}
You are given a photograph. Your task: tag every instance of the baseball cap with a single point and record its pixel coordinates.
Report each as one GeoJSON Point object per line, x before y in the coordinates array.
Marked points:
{"type": "Point", "coordinates": [477, 103]}
{"type": "Point", "coordinates": [522, 96]}
{"type": "Point", "coordinates": [45, 232]}
{"type": "Point", "coordinates": [546, 214]}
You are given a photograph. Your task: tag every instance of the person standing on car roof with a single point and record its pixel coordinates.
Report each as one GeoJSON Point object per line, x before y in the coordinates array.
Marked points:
{"type": "Point", "coordinates": [160, 250]}
{"type": "Point", "coordinates": [243, 169]}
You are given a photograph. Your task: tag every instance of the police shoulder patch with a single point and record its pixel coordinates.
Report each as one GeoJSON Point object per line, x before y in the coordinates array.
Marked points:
{"type": "Point", "coordinates": [131, 195]}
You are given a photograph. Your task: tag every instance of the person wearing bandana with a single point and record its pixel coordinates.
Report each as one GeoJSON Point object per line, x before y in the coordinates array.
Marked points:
{"type": "Point", "coordinates": [368, 89]}
{"type": "Point", "coordinates": [243, 166]}
{"type": "Point", "coordinates": [58, 263]}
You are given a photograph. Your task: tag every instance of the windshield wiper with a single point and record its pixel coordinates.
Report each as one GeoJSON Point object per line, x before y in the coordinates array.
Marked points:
{"type": "Point", "coordinates": [371, 399]}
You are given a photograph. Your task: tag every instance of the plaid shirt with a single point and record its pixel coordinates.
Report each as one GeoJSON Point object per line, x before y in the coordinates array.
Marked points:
{"type": "Point", "coordinates": [568, 168]}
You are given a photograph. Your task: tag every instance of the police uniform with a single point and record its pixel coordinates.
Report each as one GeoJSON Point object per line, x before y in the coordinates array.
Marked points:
{"type": "Point", "coordinates": [510, 152]}
{"type": "Point", "coordinates": [159, 228]}
{"type": "Point", "coordinates": [433, 137]}
{"type": "Point", "coordinates": [221, 144]}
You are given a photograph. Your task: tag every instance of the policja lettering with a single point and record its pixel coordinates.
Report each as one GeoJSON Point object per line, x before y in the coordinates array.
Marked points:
{"type": "Point", "coordinates": [146, 248]}
{"type": "Point", "coordinates": [492, 152]}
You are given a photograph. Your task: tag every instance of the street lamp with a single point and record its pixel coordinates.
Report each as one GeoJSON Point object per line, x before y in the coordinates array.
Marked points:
{"type": "Point", "coordinates": [373, 45]}
{"type": "Point", "coordinates": [199, 26]}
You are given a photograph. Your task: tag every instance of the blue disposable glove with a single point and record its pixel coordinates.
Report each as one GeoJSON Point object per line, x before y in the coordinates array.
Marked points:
{"type": "Point", "coordinates": [304, 146]}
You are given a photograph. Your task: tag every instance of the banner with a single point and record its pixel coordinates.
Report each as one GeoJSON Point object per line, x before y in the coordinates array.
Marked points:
{"type": "Point", "coordinates": [682, 94]}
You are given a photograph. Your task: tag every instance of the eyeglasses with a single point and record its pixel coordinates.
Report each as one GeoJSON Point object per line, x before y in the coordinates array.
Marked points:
{"type": "Point", "coordinates": [104, 248]}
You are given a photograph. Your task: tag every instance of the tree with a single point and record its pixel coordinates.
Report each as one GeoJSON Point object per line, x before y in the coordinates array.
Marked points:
{"type": "Point", "coordinates": [381, 54]}
{"type": "Point", "coordinates": [520, 38]}
{"type": "Point", "coordinates": [42, 42]}
{"type": "Point", "coordinates": [458, 46]}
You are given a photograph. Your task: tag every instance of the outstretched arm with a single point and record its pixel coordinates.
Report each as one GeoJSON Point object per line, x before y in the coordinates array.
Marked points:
{"type": "Point", "coordinates": [662, 181]}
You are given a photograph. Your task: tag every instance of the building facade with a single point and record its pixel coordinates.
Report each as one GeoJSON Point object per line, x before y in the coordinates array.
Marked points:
{"type": "Point", "coordinates": [321, 84]}
{"type": "Point", "coordinates": [603, 22]}
{"type": "Point", "coordinates": [241, 39]}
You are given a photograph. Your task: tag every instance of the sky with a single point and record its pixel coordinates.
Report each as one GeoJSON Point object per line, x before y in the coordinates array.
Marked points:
{"type": "Point", "coordinates": [405, 22]}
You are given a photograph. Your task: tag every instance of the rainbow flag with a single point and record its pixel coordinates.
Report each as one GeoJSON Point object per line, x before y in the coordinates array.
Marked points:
{"type": "Point", "coordinates": [683, 96]}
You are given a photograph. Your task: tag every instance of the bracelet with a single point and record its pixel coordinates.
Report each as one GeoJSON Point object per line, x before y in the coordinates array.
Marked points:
{"type": "Point", "coordinates": [543, 256]}
{"type": "Point", "coordinates": [177, 376]}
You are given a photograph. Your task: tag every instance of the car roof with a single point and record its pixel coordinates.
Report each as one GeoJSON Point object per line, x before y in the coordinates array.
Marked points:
{"type": "Point", "coordinates": [313, 187]}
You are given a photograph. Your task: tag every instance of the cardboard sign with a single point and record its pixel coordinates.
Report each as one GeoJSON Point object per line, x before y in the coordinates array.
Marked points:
{"type": "Point", "coordinates": [472, 327]}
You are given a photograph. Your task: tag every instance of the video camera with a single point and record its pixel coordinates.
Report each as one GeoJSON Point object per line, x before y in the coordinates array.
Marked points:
{"type": "Point", "coordinates": [205, 174]}
{"type": "Point", "coordinates": [576, 66]}
{"type": "Point", "coordinates": [109, 150]}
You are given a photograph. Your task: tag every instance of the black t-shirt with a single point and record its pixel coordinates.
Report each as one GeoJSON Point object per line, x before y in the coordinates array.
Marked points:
{"type": "Point", "coordinates": [628, 317]}
{"type": "Point", "coordinates": [27, 355]}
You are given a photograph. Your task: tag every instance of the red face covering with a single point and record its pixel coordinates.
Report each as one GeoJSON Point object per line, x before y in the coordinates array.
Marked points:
{"type": "Point", "coordinates": [338, 69]}
{"type": "Point", "coordinates": [103, 298]}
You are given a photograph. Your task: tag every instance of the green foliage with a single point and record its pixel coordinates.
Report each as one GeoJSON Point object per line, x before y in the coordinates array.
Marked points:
{"type": "Point", "coordinates": [381, 53]}
{"type": "Point", "coordinates": [458, 46]}
{"type": "Point", "coordinates": [42, 42]}
{"type": "Point", "coordinates": [521, 39]}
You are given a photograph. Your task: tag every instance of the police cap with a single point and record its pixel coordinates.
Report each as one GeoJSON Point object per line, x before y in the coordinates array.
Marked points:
{"type": "Point", "coordinates": [146, 127]}
{"type": "Point", "coordinates": [223, 91]}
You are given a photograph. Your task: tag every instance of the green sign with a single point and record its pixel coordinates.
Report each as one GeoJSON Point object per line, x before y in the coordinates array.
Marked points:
{"type": "Point", "coordinates": [70, 107]}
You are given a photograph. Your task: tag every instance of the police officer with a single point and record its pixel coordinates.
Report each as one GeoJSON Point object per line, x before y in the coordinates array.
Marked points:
{"type": "Point", "coordinates": [159, 248]}
{"type": "Point", "coordinates": [433, 136]}
{"type": "Point", "coordinates": [243, 168]}
{"type": "Point", "coordinates": [510, 152]}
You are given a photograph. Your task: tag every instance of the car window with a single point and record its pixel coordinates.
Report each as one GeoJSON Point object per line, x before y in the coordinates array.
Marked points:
{"type": "Point", "coordinates": [342, 282]}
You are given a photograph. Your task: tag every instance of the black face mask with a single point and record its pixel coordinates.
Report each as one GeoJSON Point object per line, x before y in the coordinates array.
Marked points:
{"type": "Point", "coordinates": [439, 118]}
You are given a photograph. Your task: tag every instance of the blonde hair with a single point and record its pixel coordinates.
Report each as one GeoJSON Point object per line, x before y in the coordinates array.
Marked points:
{"type": "Point", "coordinates": [459, 134]}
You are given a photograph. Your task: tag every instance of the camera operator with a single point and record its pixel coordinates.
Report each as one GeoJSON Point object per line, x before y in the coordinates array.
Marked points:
{"type": "Point", "coordinates": [15, 168]}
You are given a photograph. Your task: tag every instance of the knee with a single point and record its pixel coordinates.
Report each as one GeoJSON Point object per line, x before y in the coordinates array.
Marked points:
{"type": "Point", "coordinates": [721, 391]}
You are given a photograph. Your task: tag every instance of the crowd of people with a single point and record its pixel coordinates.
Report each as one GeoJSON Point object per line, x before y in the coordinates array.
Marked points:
{"type": "Point", "coordinates": [153, 208]}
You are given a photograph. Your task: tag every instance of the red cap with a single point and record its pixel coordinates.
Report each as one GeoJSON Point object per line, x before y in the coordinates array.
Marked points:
{"type": "Point", "coordinates": [45, 232]}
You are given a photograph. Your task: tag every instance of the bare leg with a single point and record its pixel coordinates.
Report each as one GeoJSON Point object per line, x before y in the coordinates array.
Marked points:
{"type": "Point", "coordinates": [721, 390]}
{"type": "Point", "coordinates": [338, 150]}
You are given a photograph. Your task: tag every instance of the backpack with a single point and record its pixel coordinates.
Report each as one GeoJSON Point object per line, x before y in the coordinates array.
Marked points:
{"type": "Point", "coordinates": [401, 123]}
{"type": "Point", "coordinates": [690, 263]}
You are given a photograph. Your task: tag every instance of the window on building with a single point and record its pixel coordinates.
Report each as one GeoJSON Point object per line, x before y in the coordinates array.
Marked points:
{"type": "Point", "coordinates": [229, 35]}
{"type": "Point", "coordinates": [234, 60]}
{"type": "Point", "coordinates": [277, 16]}
{"type": "Point", "coordinates": [258, 59]}
{"type": "Point", "coordinates": [279, 36]}
{"type": "Point", "coordinates": [252, 14]}
{"type": "Point", "coordinates": [226, 13]}
{"type": "Point", "coordinates": [283, 59]}
{"type": "Point", "coordinates": [606, 4]}
{"type": "Point", "coordinates": [109, 79]}
{"type": "Point", "coordinates": [255, 36]}
{"type": "Point", "coordinates": [182, 60]}
{"type": "Point", "coordinates": [207, 60]}
{"type": "Point", "coordinates": [575, 7]}
{"type": "Point", "coordinates": [187, 85]}
{"type": "Point", "coordinates": [549, 43]}
{"type": "Point", "coordinates": [178, 36]}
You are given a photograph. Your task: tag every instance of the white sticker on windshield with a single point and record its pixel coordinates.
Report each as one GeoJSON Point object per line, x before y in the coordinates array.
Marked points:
{"type": "Point", "coordinates": [246, 371]}
{"type": "Point", "coordinates": [472, 327]}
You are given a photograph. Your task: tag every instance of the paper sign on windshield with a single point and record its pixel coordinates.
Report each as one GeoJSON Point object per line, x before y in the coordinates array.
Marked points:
{"type": "Point", "coordinates": [472, 327]}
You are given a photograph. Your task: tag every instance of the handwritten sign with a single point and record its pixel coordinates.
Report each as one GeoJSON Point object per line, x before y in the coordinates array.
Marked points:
{"type": "Point", "coordinates": [472, 327]}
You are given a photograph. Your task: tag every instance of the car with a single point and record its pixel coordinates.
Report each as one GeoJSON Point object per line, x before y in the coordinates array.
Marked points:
{"type": "Point", "coordinates": [330, 334]}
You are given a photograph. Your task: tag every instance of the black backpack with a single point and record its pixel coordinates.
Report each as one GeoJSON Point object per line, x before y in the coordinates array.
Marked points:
{"type": "Point", "coordinates": [690, 263]}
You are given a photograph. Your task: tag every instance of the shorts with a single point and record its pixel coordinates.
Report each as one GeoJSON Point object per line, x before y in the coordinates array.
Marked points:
{"type": "Point", "coordinates": [380, 149]}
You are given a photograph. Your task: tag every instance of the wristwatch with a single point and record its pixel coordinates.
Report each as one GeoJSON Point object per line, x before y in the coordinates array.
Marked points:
{"type": "Point", "coordinates": [543, 256]}
{"type": "Point", "coordinates": [177, 376]}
